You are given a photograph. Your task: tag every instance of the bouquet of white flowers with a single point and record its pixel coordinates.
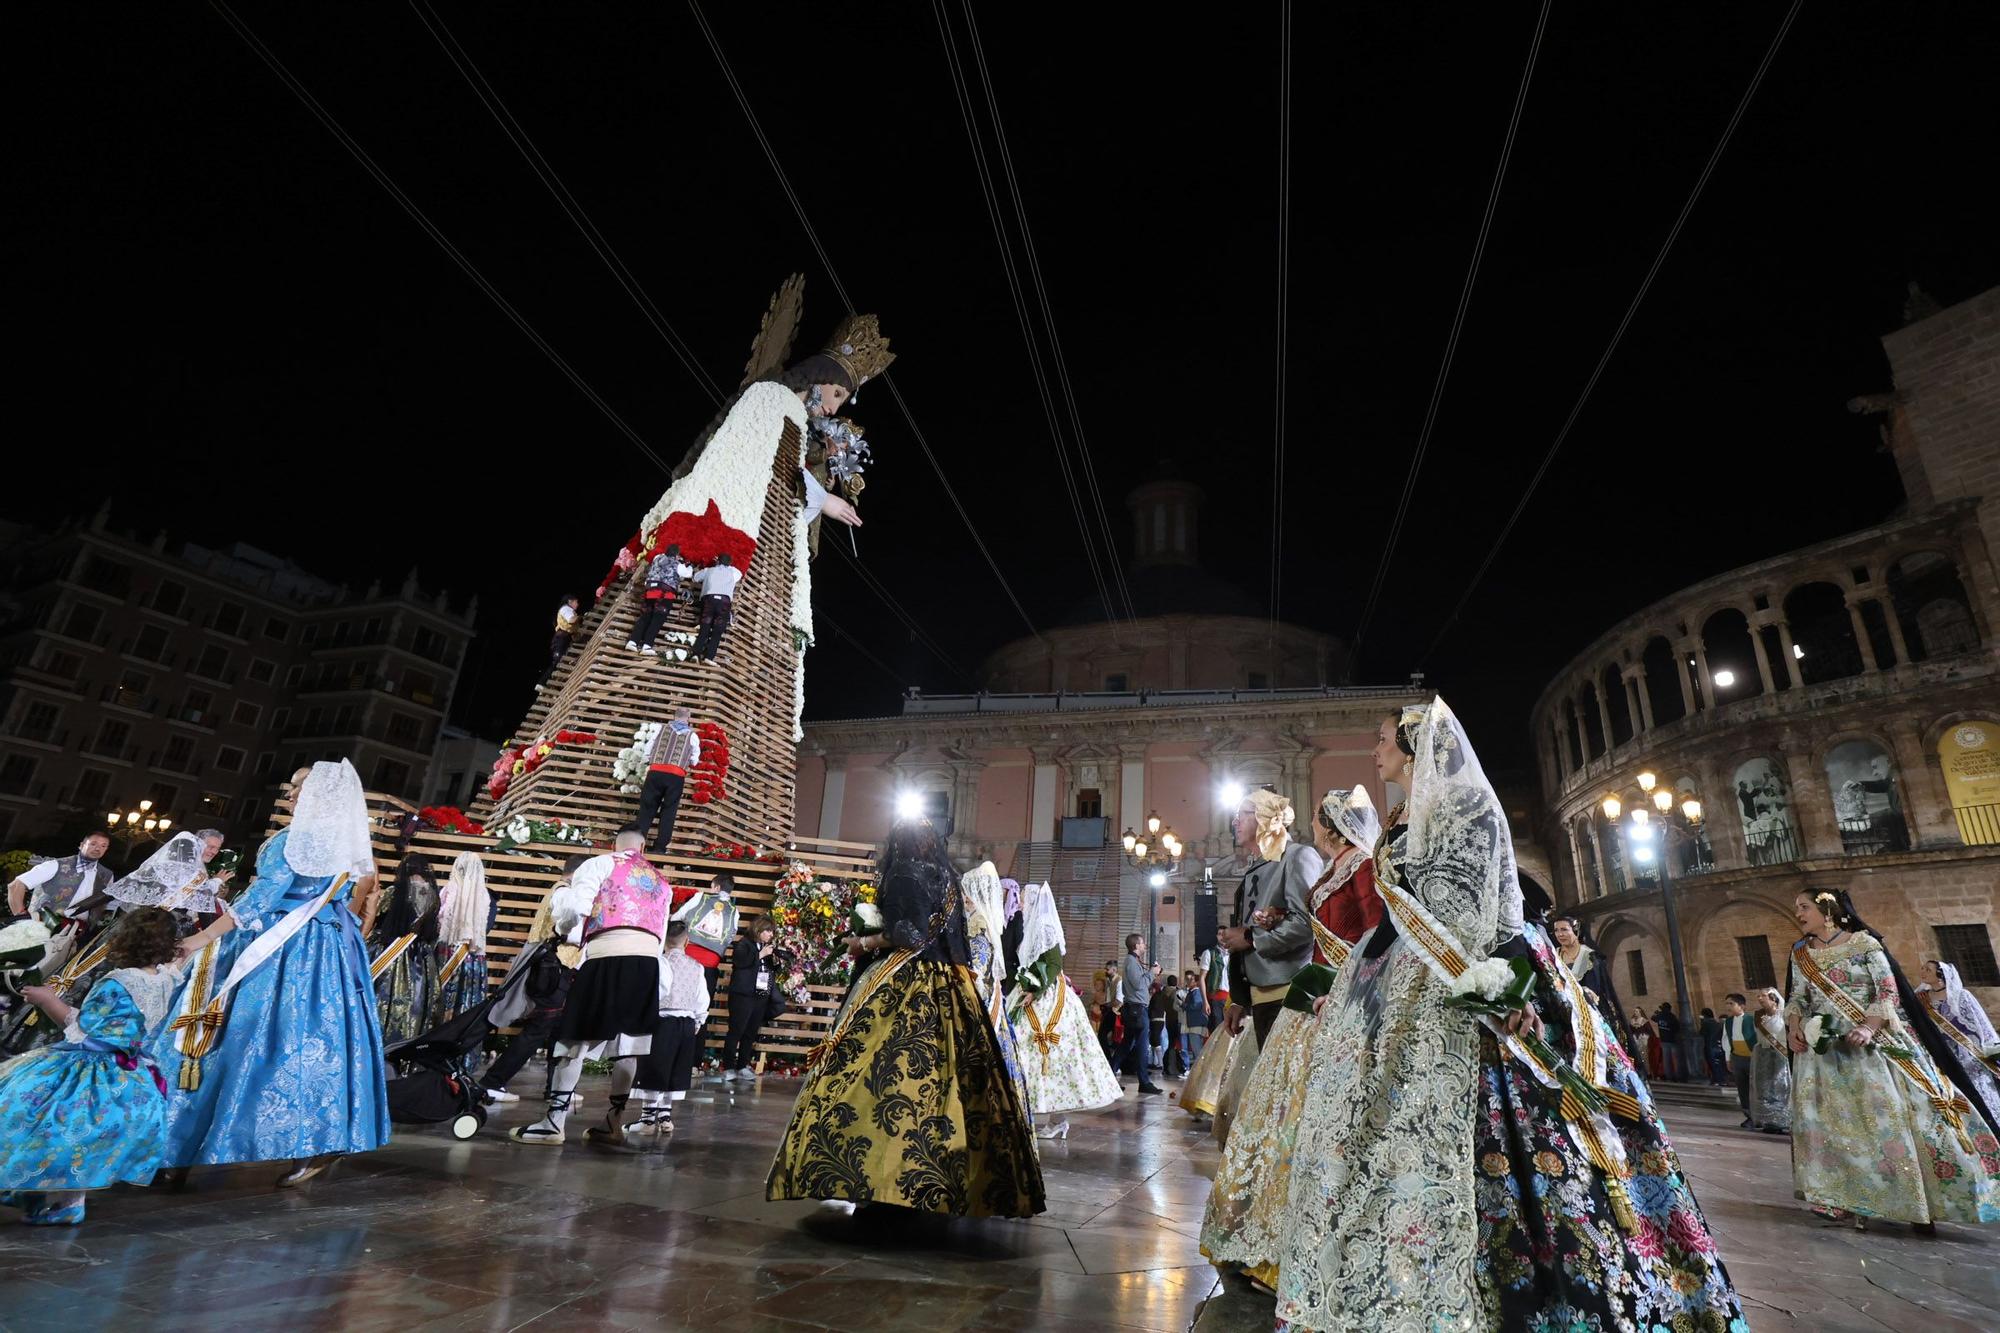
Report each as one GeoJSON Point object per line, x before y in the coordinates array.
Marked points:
{"type": "Point", "coordinates": [1497, 987]}
{"type": "Point", "coordinates": [630, 765]}
{"type": "Point", "coordinates": [25, 947]}
{"type": "Point", "coordinates": [1822, 1031]}
{"type": "Point", "coordinates": [865, 919]}
{"type": "Point", "coordinates": [520, 830]}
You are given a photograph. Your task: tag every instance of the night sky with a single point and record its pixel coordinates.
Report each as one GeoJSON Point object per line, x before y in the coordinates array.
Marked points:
{"type": "Point", "coordinates": [233, 329]}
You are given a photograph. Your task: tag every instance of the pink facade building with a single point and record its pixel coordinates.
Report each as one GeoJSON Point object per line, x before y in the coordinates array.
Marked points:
{"type": "Point", "coordinates": [1100, 724]}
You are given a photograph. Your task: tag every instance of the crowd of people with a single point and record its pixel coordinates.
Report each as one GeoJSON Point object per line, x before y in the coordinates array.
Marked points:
{"type": "Point", "coordinates": [1430, 1102]}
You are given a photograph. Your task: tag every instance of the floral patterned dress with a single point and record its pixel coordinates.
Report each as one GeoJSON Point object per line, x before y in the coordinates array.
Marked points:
{"type": "Point", "coordinates": [1865, 1137]}
{"type": "Point", "coordinates": [1064, 1066]}
{"type": "Point", "coordinates": [88, 1112]}
{"type": "Point", "coordinates": [1436, 1185]}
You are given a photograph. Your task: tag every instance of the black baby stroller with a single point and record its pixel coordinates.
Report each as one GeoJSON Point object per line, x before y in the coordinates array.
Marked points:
{"type": "Point", "coordinates": [430, 1082]}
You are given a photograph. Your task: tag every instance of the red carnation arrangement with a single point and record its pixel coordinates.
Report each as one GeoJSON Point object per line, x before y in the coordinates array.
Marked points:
{"type": "Point", "coordinates": [448, 819]}
{"type": "Point", "coordinates": [739, 851]}
{"type": "Point", "coordinates": [711, 771]}
{"type": "Point", "coordinates": [702, 537]}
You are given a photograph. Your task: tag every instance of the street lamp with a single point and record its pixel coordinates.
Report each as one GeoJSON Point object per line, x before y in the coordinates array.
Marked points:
{"type": "Point", "coordinates": [1641, 831]}
{"type": "Point", "coordinates": [138, 824]}
{"type": "Point", "coordinates": [1158, 845]}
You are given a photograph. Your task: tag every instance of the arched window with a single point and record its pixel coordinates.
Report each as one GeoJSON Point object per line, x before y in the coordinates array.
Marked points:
{"type": "Point", "coordinates": [1613, 686]}
{"type": "Point", "coordinates": [1866, 804]}
{"type": "Point", "coordinates": [1593, 722]}
{"type": "Point", "coordinates": [1823, 633]}
{"type": "Point", "coordinates": [1969, 754]}
{"type": "Point", "coordinates": [1694, 855]}
{"type": "Point", "coordinates": [1732, 662]}
{"type": "Point", "coordinates": [1931, 606]}
{"type": "Point", "coordinates": [1663, 688]}
{"type": "Point", "coordinates": [1764, 801]}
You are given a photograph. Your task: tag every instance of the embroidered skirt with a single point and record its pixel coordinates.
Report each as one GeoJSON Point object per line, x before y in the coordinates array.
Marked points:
{"type": "Point", "coordinates": [911, 1104]}
{"type": "Point", "coordinates": [1246, 1205]}
{"type": "Point", "coordinates": [1204, 1081]}
{"type": "Point", "coordinates": [1065, 1067]}
{"type": "Point", "coordinates": [403, 994]}
{"type": "Point", "coordinates": [1243, 1057]}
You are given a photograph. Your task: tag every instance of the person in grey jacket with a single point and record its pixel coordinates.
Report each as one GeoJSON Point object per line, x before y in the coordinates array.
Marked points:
{"type": "Point", "coordinates": [1137, 982]}
{"type": "Point", "coordinates": [1274, 938]}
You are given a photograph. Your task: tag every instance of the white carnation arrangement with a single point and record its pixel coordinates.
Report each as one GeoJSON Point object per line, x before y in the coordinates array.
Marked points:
{"type": "Point", "coordinates": [1488, 980]}
{"type": "Point", "coordinates": [22, 936]}
{"type": "Point", "coordinates": [630, 765]}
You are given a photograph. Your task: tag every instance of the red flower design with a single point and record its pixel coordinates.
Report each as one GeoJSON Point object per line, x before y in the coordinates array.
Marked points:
{"type": "Point", "coordinates": [702, 537]}
{"type": "Point", "coordinates": [1688, 1233]}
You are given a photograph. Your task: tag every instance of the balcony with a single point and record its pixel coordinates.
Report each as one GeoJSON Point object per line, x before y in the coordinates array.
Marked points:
{"type": "Point", "coordinates": [53, 737]}
{"type": "Point", "coordinates": [1774, 846]}
{"type": "Point", "coordinates": [1885, 832]}
{"type": "Point", "coordinates": [117, 696]}
{"type": "Point", "coordinates": [1978, 825]}
{"type": "Point", "coordinates": [112, 750]}
{"type": "Point", "coordinates": [130, 648]}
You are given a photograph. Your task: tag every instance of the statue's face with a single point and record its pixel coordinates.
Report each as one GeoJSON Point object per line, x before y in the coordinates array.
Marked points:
{"type": "Point", "coordinates": [832, 397]}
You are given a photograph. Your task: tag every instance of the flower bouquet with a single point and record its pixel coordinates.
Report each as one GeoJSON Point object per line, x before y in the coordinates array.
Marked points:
{"type": "Point", "coordinates": [630, 765]}
{"type": "Point", "coordinates": [1821, 1032]}
{"type": "Point", "coordinates": [1495, 988]}
{"type": "Point", "coordinates": [865, 919]}
{"type": "Point", "coordinates": [520, 830]}
{"type": "Point", "coordinates": [25, 947]}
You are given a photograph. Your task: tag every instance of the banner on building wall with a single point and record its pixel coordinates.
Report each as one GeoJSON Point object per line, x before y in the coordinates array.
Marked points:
{"type": "Point", "coordinates": [1970, 755]}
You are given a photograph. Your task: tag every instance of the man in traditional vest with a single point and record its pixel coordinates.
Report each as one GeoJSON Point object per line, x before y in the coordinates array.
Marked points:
{"type": "Point", "coordinates": [676, 750]}
{"type": "Point", "coordinates": [1274, 938]}
{"type": "Point", "coordinates": [66, 885]}
{"type": "Point", "coordinates": [613, 1005]}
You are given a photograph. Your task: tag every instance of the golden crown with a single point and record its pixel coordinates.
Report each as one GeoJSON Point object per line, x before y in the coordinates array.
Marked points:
{"type": "Point", "coordinates": [858, 345]}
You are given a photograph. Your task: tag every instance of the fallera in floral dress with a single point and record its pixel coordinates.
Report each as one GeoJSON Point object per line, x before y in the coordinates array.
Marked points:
{"type": "Point", "coordinates": [1436, 1183]}
{"type": "Point", "coordinates": [1866, 1136]}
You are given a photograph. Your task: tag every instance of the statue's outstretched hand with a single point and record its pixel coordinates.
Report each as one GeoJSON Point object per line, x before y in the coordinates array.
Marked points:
{"type": "Point", "coordinates": [840, 510]}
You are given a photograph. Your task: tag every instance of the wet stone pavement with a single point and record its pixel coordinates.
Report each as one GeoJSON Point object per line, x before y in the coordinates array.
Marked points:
{"type": "Point", "coordinates": [435, 1234]}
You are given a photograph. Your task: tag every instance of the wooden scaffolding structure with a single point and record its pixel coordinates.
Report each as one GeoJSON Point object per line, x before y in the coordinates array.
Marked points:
{"type": "Point", "coordinates": [605, 689]}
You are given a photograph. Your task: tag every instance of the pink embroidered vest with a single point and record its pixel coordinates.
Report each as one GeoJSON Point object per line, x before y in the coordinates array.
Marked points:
{"type": "Point", "coordinates": [633, 896]}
